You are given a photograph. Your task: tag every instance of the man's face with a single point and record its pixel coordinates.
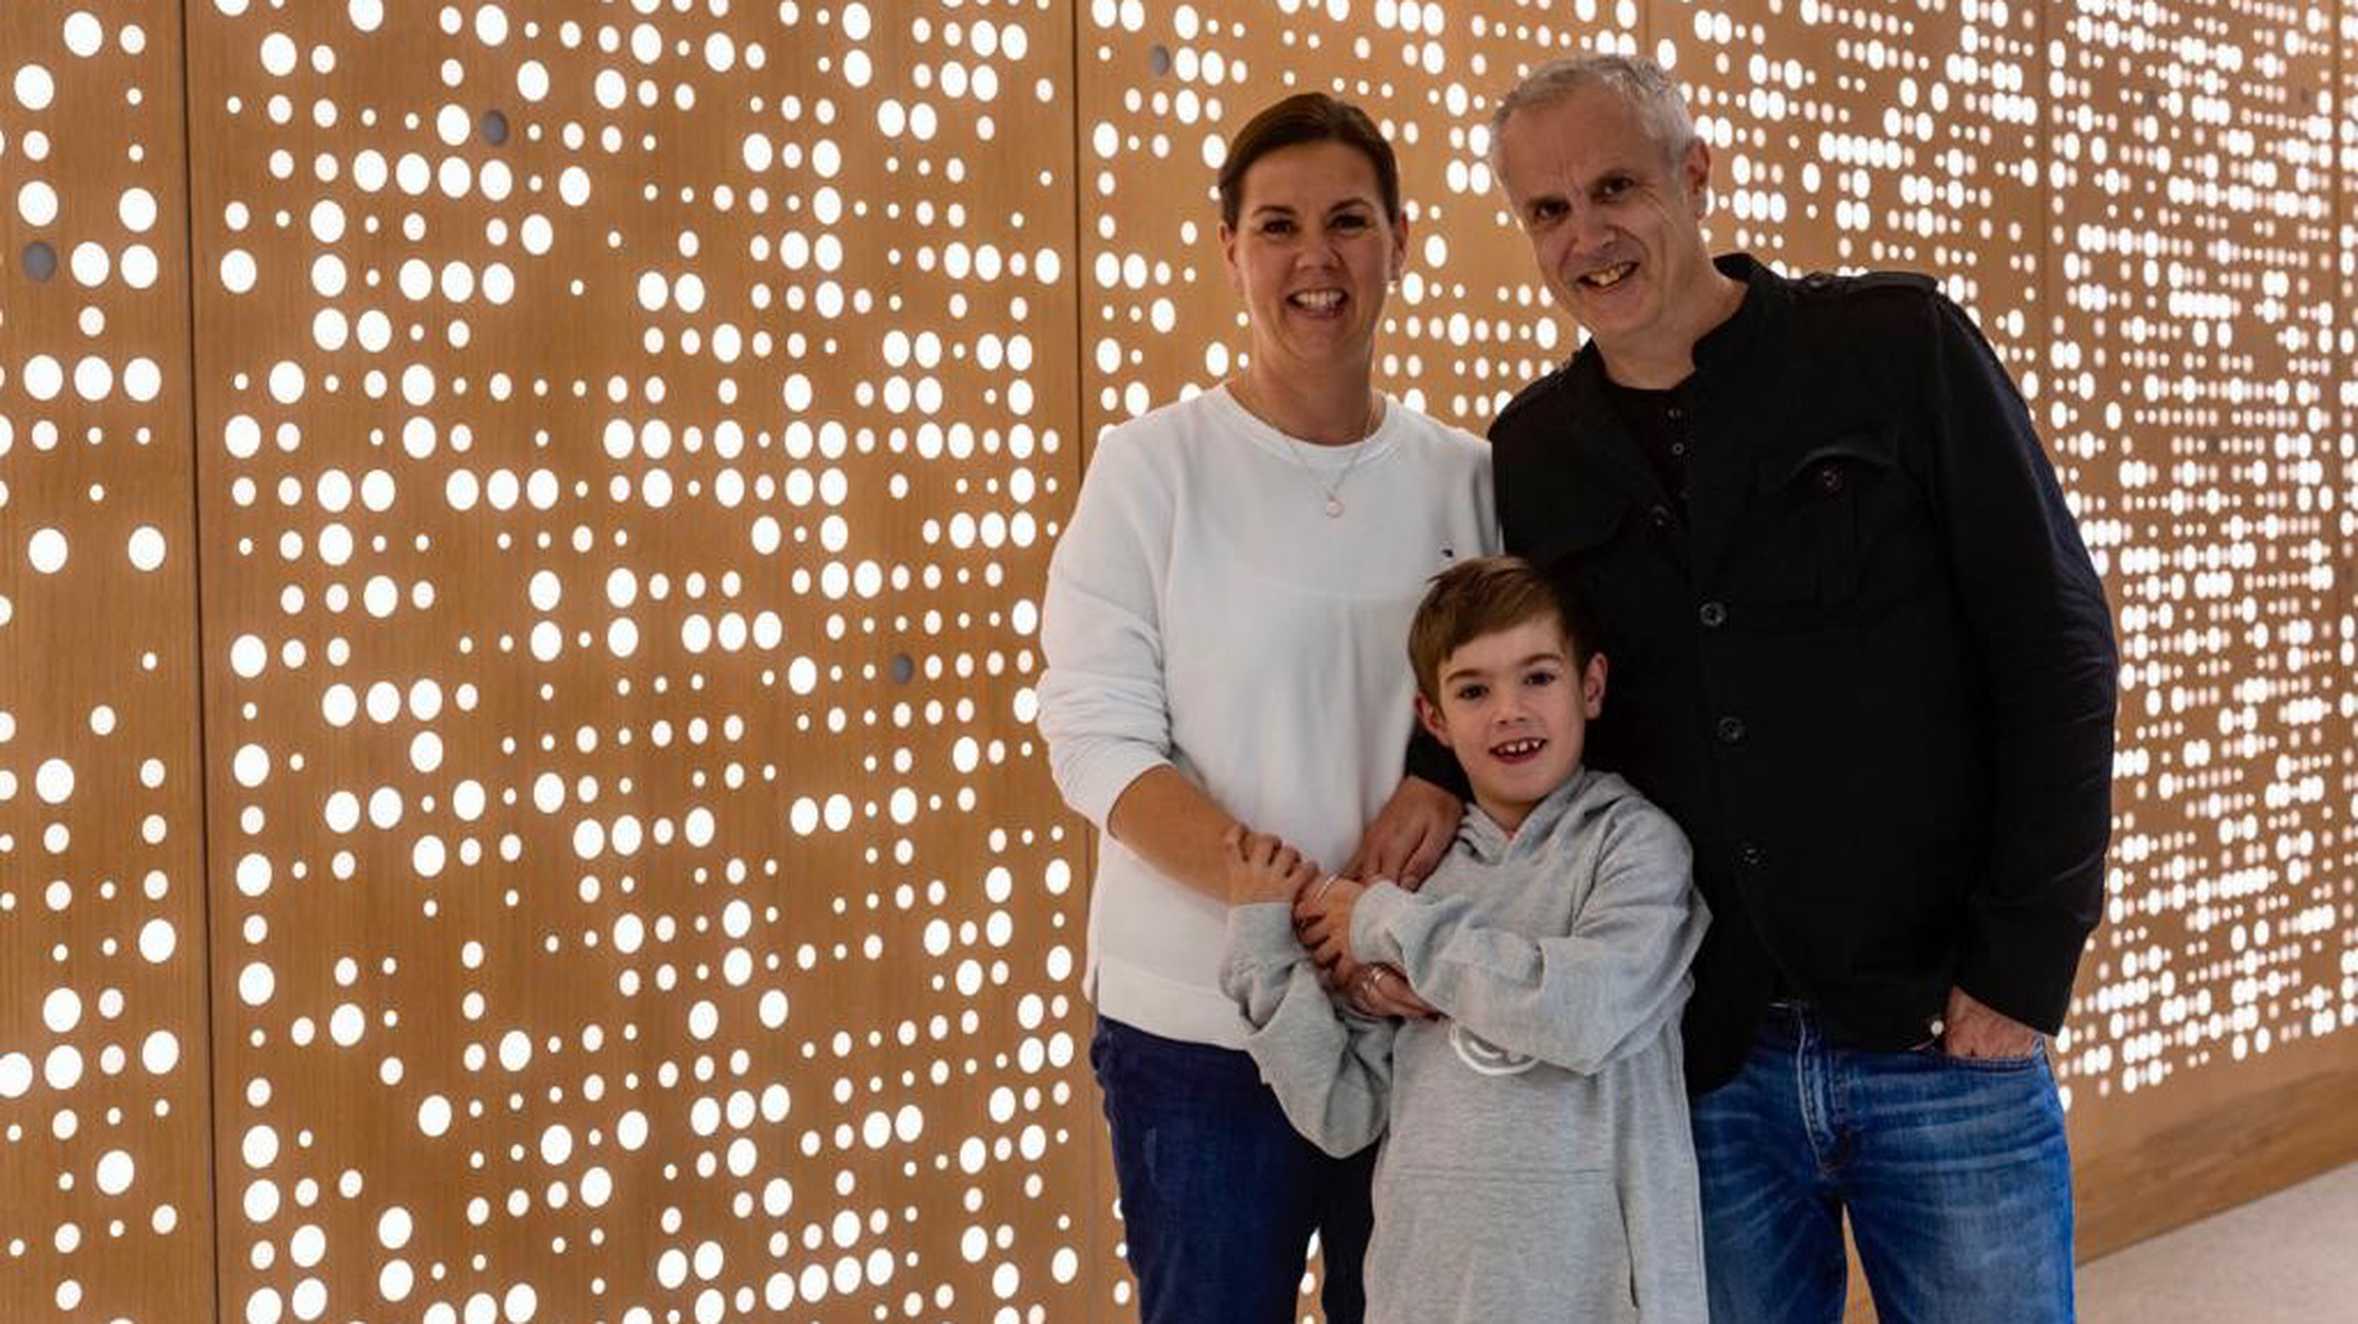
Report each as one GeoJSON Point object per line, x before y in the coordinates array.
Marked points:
{"type": "Point", "coordinates": [1514, 707]}
{"type": "Point", "coordinates": [1615, 226]}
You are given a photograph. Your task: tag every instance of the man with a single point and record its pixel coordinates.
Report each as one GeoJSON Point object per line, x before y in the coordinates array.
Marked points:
{"type": "Point", "coordinates": [1865, 662]}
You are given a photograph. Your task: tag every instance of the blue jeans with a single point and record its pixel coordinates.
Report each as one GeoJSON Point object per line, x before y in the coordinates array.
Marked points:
{"type": "Point", "coordinates": [1954, 1173]}
{"type": "Point", "coordinates": [1219, 1194]}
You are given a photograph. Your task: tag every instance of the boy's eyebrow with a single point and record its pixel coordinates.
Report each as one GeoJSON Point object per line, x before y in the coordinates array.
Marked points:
{"type": "Point", "coordinates": [1552, 655]}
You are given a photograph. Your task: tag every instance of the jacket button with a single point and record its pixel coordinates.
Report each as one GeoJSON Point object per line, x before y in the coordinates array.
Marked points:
{"type": "Point", "coordinates": [1829, 478]}
{"type": "Point", "coordinates": [1713, 615]}
{"type": "Point", "coordinates": [1731, 730]}
{"type": "Point", "coordinates": [1660, 515]}
{"type": "Point", "coordinates": [1752, 856]}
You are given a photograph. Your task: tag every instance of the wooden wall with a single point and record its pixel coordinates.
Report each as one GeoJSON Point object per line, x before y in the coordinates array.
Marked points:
{"type": "Point", "coordinates": [520, 539]}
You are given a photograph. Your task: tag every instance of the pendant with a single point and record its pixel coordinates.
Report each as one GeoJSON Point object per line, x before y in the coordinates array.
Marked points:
{"type": "Point", "coordinates": [1334, 507]}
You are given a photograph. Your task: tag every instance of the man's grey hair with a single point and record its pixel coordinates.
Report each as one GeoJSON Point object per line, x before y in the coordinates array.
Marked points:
{"type": "Point", "coordinates": [1637, 80]}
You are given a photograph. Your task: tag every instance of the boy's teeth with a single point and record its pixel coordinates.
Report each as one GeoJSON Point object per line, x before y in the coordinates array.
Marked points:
{"type": "Point", "coordinates": [1609, 277]}
{"type": "Point", "coordinates": [1319, 300]}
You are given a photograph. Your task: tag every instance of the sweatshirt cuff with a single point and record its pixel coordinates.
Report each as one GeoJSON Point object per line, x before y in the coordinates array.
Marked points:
{"type": "Point", "coordinates": [1262, 933]}
{"type": "Point", "coordinates": [1374, 923]}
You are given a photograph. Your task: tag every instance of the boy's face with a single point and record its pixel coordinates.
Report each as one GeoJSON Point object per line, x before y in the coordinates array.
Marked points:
{"type": "Point", "coordinates": [1514, 707]}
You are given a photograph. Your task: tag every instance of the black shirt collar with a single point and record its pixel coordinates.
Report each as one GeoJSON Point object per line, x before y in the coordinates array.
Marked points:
{"type": "Point", "coordinates": [1723, 346]}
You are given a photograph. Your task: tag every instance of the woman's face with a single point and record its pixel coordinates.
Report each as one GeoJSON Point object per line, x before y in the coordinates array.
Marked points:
{"type": "Point", "coordinates": [1312, 254]}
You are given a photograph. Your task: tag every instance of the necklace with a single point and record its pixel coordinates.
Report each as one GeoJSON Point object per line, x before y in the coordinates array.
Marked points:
{"type": "Point", "coordinates": [1332, 491]}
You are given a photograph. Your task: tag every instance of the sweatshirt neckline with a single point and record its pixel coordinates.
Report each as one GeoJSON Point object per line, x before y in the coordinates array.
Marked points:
{"type": "Point", "coordinates": [1490, 842]}
{"type": "Point", "coordinates": [1316, 454]}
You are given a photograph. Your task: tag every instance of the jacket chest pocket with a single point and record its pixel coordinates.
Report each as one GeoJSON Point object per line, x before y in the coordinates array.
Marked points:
{"type": "Point", "coordinates": [1839, 528]}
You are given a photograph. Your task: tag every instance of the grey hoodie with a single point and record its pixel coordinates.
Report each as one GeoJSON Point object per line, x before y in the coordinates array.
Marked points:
{"type": "Point", "coordinates": [1539, 1164]}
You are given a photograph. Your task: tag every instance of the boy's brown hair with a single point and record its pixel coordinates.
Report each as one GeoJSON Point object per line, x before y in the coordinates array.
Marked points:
{"type": "Point", "coordinates": [1483, 596]}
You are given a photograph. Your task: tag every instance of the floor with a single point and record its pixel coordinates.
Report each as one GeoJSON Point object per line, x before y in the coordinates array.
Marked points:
{"type": "Point", "coordinates": [2291, 1258]}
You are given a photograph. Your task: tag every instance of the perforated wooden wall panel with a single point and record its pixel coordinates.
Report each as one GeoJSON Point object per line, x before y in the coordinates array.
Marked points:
{"type": "Point", "coordinates": [104, 1158]}
{"type": "Point", "coordinates": [624, 443]}
{"type": "Point", "coordinates": [630, 439]}
{"type": "Point", "coordinates": [1163, 88]}
{"type": "Point", "coordinates": [2191, 368]}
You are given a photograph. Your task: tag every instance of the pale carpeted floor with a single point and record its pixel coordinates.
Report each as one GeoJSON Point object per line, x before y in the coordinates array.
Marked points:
{"type": "Point", "coordinates": [2291, 1258]}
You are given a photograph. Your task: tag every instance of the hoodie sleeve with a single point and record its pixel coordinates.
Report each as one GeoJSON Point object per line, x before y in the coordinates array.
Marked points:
{"type": "Point", "coordinates": [1582, 1000]}
{"type": "Point", "coordinates": [1332, 1072]}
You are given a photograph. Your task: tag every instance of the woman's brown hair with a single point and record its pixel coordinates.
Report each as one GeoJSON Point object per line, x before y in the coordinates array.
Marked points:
{"type": "Point", "coordinates": [1307, 117]}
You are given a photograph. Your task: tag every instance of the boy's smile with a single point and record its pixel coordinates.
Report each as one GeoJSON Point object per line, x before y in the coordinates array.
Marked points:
{"type": "Point", "coordinates": [1514, 707]}
{"type": "Point", "coordinates": [1518, 751]}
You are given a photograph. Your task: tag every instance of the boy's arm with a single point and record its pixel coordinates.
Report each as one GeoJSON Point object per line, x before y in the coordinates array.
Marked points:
{"type": "Point", "coordinates": [1580, 1001]}
{"type": "Point", "coordinates": [1331, 1073]}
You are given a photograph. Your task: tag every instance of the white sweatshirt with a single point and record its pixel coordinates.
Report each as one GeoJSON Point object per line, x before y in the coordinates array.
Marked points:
{"type": "Point", "coordinates": [1204, 612]}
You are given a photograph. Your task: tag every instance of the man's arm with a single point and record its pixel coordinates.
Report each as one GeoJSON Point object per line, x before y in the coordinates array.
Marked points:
{"type": "Point", "coordinates": [2043, 643]}
{"type": "Point", "coordinates": [1430, 760]}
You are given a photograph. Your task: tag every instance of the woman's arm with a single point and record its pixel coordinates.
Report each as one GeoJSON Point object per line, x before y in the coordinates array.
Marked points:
{"type": "Point", "coordinates": [1170, 823]}
{"type": "Point", "coordinates": [1104, 706]}
{"type": "Point", "coordinates": [1104, 709]}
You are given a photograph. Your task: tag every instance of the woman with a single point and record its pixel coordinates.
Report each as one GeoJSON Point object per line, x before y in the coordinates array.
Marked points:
{"type": "Point", "coordinates": [1225, 630]}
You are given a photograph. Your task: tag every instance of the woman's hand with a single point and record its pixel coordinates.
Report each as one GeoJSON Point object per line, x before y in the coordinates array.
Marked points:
{"type": "Point", "coordinates": [1260, 867]}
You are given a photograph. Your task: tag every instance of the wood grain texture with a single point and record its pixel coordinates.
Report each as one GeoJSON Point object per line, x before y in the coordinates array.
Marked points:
{"type": "Point", "coordinates": [587, 668]}
{"type": "Point", "coordinates": [104, 1081]}
{"type": "Point", "coordinates": [635, 437]}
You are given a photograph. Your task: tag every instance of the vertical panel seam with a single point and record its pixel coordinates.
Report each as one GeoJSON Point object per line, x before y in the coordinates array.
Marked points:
{"type": "Point", "coordinates": [1084, 436]}
{"type": "Point", "coordinates": [1100, 1277]}
{"type": "Point", "coordinates": [196, 515]}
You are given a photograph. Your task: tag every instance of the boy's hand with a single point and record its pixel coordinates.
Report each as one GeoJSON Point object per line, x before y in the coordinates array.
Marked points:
{"type": "Point", "coordinates": [1376, 990]}
{"type": "Point", "coordinates": [1322, 917]}
{"type": "Point", "coordinates": [1261, 867]}
{"type": "Point", "coordinates": [1381, 991]}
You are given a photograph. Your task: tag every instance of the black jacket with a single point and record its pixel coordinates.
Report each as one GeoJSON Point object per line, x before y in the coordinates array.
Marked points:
{"type": "Point", "coordinates": [1871, 671]}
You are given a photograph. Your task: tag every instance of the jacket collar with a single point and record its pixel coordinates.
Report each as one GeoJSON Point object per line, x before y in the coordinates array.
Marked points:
{"type": "Point", "coordinates": [1728, 395]}
{"type": "Point", "coordinates": [1723, 348]}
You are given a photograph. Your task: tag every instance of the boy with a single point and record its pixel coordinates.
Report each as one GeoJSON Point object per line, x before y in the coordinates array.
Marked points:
{"type": "Point", "coordinates": [1539, 1164]}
